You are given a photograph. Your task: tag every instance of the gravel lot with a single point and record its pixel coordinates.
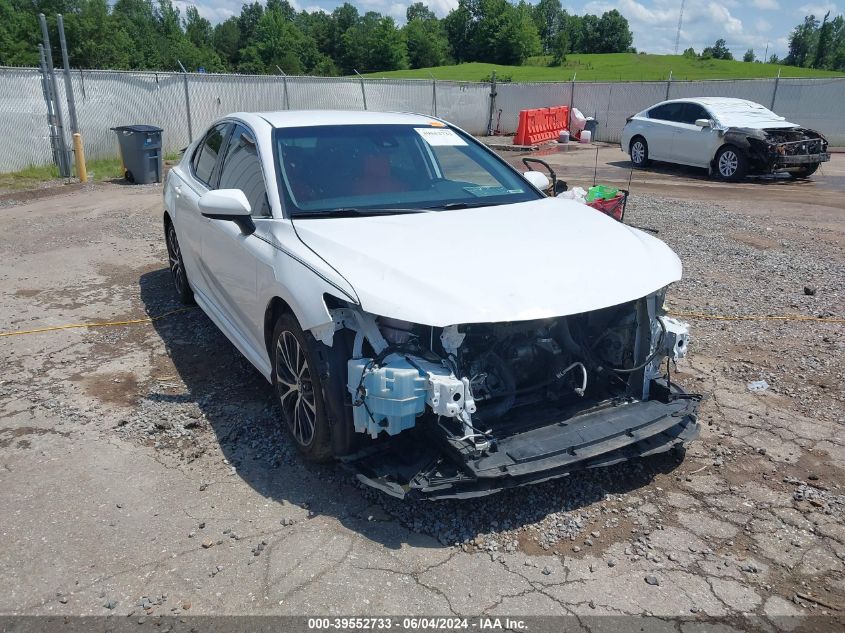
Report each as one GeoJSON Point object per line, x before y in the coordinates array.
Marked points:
{"type": "Point", "coordinates": [143, 470]}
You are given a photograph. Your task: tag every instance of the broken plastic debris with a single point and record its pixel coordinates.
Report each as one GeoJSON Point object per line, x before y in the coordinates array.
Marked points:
{"type": "Point", "coordinates": [576, 193]}
{"type": "Point", "coordinates": [758, 385]}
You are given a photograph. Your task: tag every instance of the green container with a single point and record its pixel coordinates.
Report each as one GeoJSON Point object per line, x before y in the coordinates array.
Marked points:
{"type": "Point", "coordinates": [601, 192]}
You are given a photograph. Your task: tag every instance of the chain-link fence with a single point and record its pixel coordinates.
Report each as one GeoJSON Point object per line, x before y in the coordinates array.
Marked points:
{"type": "Point", "coordinates": [105, 99]}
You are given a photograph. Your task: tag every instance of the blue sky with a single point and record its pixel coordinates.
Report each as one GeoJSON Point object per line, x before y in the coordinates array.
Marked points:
{"type": "Point", "coordinates": [743, 24]}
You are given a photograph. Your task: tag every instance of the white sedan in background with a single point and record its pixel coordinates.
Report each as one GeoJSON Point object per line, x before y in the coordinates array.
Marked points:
{"type": "Point", "coordinates": [729, 137]}
{"type": "Point", "coordinates": [422, 309]}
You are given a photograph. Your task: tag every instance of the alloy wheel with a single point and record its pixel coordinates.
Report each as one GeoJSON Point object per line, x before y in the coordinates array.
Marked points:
{"type": "Point", "coordinates": [175, 256]}
{"type": "Point", "coordinates": [638, 152]}
{"type": "Point", "coordinates": [296, 390]}
{"type": "Point", "coordinates": [728, 163]}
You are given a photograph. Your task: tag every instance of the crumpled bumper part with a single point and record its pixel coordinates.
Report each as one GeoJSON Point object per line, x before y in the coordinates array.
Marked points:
{"type": "Point", "coordinates": [602, 437]}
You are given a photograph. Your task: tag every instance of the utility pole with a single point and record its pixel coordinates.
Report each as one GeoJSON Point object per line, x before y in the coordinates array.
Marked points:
{"type": "Point", "coordinates": [78, 151]}
{"type": "Point", "coordinates": [48, 101]}
{"type": "Point", "coordinates": [71, 104]}
{"type": "Point", "coordinates": [680, 24]}
{"type": "Point", "coordinates": [63, 164]}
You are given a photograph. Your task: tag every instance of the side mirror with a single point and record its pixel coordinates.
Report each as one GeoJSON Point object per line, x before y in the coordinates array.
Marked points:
{"type": "Point", "coordinates": [538, 179]}
{"type": "Point", "coordinates": [703, 123]}
{"type": "Point", "coordinates": [228, 204]}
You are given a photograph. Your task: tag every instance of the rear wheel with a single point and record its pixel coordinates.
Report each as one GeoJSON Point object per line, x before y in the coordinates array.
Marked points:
{"type": "Point", "coordinates": [177, 265]}
{"type": "Point", "coordinates": [731, 164]}
{"type": "Point", "coordinates": [300, 393]}
{"type": "Point", "coordinates": [639, 152]}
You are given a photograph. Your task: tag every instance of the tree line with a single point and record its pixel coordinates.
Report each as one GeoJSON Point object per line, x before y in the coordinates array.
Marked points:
{"type": "Point", "coordinates": [273, 37]}
{"type": "Point", "coordinates": [818, 44]}
{"type": "Point", "coordinates": [812, 44]}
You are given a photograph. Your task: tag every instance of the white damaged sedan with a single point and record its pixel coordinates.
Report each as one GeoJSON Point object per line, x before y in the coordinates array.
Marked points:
{"type": "Point", "coordinates": [423, 310]}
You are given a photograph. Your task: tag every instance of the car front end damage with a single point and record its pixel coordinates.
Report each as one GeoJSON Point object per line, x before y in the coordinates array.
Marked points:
{"type": "Point", "coordinates": [793, 149]}
{"type": "Point", "coordinates": [468, 410]}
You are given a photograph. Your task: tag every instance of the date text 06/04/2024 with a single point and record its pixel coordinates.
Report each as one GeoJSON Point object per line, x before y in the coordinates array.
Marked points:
{"type": "Point", "coordinates": [415, 624]}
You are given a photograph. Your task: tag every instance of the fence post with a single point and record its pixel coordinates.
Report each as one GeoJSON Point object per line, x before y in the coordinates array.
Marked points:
{"type": "Point", "coordinates": [285, 99]}
{"type": "Point", "coordinates": [434, 94]}
{"type": "Point", "coordinates": [187, 101]}
{"type": "Point", "coordinates": [363, 92]}
{"type": "Point", "coordinates": [668, 85]}
{"type": "Point", "coordinates": [492, 103]}
{"type": "Point", "coordinates": [606, 117]}
{"type": "Point", "coordinates": [64, 166]}
{"type": "Point", "coordinates": [572, 93]}
{"type": "Point", "coordinates": [775, 91]}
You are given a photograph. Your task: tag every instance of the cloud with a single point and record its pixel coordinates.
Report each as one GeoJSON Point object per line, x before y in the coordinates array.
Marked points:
{"type": "Point", "coordinates": [818, 10]}
{"type": "Point", "coordinates": [210, 13]}
{"type": "Point", "coordinates": [655, 25]}
{"type": "Point", "coordinates": [653, 22]}
{"type": "Point", "coordinates": [442, 7]}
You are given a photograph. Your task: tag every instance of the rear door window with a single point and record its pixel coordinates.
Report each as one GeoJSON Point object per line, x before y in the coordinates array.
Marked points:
{"type": "Point", "coordinates": [205, 158]}
{"type": "Point", "coordinates": [667, 112]}
{"type": "Point", "coordinates": [241, 169]}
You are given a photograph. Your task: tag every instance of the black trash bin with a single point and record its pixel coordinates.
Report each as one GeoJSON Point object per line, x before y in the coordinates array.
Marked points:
{"type": "Point", "coordinates": [140, 149]}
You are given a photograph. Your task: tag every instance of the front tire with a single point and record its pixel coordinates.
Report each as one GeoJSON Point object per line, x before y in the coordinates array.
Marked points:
{"type": "Point", "coordinates": [177, 265]}
{"type": "Point", "coordinates": [806, 172]}
{"type": "Point", "coordinates": [300, 392]}
{"type": "Point", "coordinates": [639, 152]}
{"type": "Point", "coordinates": [731, 164]}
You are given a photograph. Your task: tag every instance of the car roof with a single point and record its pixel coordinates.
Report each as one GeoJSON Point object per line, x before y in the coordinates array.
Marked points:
{"type": "Point", "coordinates": [717, 104]}
{"type": "Point", "coordinates": [732, 112]}
{"type": "Point", "coordinates": [306, 118]}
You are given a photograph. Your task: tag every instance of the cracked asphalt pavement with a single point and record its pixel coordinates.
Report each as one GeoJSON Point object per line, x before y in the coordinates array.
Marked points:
{"type": "Point", "coordinates": [143, 469]}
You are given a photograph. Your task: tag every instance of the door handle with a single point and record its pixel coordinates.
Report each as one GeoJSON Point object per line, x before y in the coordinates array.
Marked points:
{"type": "Point", "coordinates": [178, 190]}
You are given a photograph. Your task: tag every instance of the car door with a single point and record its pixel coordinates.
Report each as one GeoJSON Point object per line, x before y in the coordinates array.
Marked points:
{"type": "Point", "coordinates": [191, 184]}
{"type": "Point", "coordinates": [230, 255]}
{"type": "Point", "coordinates": [661, 130]}
{"type": "Point", "coordinates": [691, 144]}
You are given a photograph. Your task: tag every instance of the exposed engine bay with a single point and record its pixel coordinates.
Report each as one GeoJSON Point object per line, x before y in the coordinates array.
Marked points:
{"type": "Point", "coordinates": [794, 149]}
{"type": "Point", "coordinates": [506, 401]}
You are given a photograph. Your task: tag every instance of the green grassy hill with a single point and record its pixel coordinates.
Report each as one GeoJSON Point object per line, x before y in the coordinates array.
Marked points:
{"type": "Point", "coordinates": [610, 67]}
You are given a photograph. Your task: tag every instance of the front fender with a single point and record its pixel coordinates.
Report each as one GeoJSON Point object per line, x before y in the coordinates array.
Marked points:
{"type": "Point", "coordinates": [294, 274]}
{"type": "Point", "coordinates": [751, 141]}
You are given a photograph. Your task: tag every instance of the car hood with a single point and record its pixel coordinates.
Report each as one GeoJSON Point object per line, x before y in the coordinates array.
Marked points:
{"type": "Point", "coordinates": [749, 115]}
{"type": "Point", "coordinates": [532, 260]}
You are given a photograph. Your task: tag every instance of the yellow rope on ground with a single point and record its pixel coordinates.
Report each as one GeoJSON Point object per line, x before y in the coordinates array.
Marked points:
{"type": "Point", "coordinates": [755, 317]}
{"type": "Point", "coordinates": [101, 324]}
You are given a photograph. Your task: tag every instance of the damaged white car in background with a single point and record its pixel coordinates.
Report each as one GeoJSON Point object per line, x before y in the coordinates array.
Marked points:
{"type": "Point", "coordinates": [424, 311]}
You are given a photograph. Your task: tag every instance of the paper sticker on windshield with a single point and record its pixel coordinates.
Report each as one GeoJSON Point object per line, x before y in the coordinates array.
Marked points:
{"type": "Point", "coordinates": [439, 136]}
{"type": "Point", "coordinates": [490, 190]}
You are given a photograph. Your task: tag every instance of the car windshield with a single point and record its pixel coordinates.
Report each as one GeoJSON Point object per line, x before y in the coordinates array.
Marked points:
{"type": "Point", "coordinates": [390, 168]}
